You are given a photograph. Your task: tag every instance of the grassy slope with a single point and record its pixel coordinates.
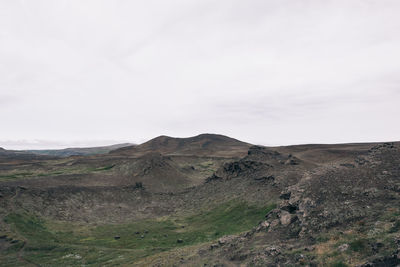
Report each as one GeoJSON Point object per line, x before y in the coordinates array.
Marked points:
{"type": "Point", "coordinates": [51, 243]}
{"type": "Point", "coordinates": [359, 237]}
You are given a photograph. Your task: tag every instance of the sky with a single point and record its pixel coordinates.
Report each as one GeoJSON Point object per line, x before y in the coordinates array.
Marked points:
{"type": "Point", "coordinates": [269, 72]}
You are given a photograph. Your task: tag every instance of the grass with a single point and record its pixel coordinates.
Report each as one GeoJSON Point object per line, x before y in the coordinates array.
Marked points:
{"type": "Point", "coordinates": [51, 242]}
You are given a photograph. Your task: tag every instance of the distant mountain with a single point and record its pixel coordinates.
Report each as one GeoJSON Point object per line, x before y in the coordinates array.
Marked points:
{"type": "Point", "coordinates": [78, 151]}
{"type": "Point", "coordinates": [6, 155]}
{"type": "Point", "coordinates": [200, 145]}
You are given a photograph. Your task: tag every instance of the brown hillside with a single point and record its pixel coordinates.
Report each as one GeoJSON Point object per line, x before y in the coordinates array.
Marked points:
{"type": "Point", "coordinates": [201, 145]}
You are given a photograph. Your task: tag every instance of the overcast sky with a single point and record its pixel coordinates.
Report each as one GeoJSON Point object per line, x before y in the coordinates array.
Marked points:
{"type": "Point", "coordinates": [267, 72]}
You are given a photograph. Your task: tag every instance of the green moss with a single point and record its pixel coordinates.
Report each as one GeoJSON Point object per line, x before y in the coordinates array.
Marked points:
{"type": "Point", "coordinates": [67, 244]}
{"type": "Point", "coordinates": [338, 264]}
{"type": "Point", "coordinates": [358, 245]}
{"type": "Point", "coordinates": [30, 227]}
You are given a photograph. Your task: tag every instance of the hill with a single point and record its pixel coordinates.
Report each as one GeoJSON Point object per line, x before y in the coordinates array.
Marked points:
{"type": "Point", "coordinates": [20, 156]}
{"type": "Point", "coordinates": [208, 200]}
{"type": "Point", "coordinates": [78, 151]}
{"type": "Point", "coordinates": [201, 145]}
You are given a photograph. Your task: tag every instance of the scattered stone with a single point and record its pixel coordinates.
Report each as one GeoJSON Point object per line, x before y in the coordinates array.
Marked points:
{"type": "Point", "coordinates": [273, 224]}
{"type": "Point", "coordinates": [292, 161]}
{"type": "Point", "coordinates": [360, 160]}
{"type": "Point", "coordinates": [392, 260]}
{"type": "Point", "coordinates": [343, 247]}
{"type": "Point", "coordinates": [397, 241]}
{"type": "Point", "coordinates": [142, 236]}
{"type": "Point", "coordinates": [273, 251]}
{"type": "Point", "coordinates": [179, 241]}
{"type": "Point", "coordinates": [137, 233]}
{"type": "Point", "coordinates": [376, 246]}
{"type": "Point", "coordinates": [311, 248]}
{"type": "Point", "coordinates": [117, 237]}
{"type": "Point", "coordinates": [262, 226]}
{"type": "Point", "coordinates": [225, 239]}
{"type": "Point", "coordinates": [74, 256]}
{"type": "Point", "coordinates": [299, 258]}
{"type": "Point", "coordinates": [146, 232]}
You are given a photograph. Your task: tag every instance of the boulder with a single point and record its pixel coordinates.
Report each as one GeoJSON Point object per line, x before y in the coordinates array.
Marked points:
{"type": "Point", "coordinates": [285, 217]}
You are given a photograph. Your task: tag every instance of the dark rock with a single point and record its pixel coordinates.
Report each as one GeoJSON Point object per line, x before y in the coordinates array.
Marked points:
{"type": "Point", "coordinates": [234, 169]}
{"type": "Point", "coordinates": [347, 165]}
{"type": "Point", "coordinates": [376, 247]}
{"type": "Point", "coordinates": [238, 257]}
{"type": "Point", "coordinates": [214, 177]}
{"type": "Point", "coordinates": [387, 261]}
{"type": "Point", "coordinates": [290, 207]}
{"type": "Point", "coordinates": [285, 195]}
{"type": "Point", "coordinates": [397, 241]}
{"type": "Point", "coordinates": [265, 178]}
{"type": "Point", "coordinates": [138, 185]}
{"type": "Point", "coordinates": [179, 241]}
{"type": "Point", "coordinates": [214, 246]}
{"type": "Point", "coordinates": [361, 161]}
{"type": "Point", "coordinates": [117, 237]}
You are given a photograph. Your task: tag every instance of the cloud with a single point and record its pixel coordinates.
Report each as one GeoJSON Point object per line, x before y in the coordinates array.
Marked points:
{"type": "Point", "coordinates": [129, 70]}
